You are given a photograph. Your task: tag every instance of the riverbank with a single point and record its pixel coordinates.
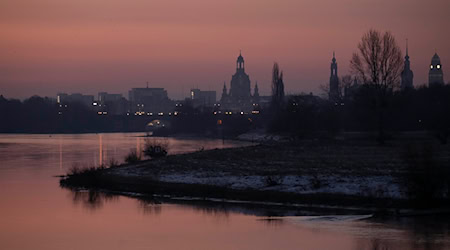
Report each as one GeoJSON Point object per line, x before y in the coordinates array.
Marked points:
{"type": "Point", "coordinates": [333, 173]}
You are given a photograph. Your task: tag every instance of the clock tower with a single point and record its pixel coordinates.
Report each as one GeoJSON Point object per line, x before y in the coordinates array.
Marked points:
{"type": "Point", "coordinates": [435, 75]}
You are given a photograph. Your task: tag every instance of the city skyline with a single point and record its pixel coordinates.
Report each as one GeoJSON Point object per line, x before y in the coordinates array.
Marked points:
{"type": "Point", "coordinates": [51, 47]}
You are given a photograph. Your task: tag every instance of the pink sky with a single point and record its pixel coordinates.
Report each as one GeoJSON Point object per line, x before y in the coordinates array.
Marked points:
{"type": "Point", "coordinates": [87, 46]}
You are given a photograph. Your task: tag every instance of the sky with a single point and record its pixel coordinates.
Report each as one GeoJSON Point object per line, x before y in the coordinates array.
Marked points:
{"type": "Point", "coordinates": [88, 46]}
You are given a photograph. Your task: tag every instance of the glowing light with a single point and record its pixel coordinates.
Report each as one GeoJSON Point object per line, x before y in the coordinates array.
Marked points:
{"type": "Point", "coordinates": [431, 66]}
{"type": "Point", "coordinates": [438, 66]}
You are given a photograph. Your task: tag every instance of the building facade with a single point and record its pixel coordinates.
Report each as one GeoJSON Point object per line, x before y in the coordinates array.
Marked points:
{"type": "Point", "coordinates": [149, 100]}
{"type": "Point", "coordinates": [203, 98]}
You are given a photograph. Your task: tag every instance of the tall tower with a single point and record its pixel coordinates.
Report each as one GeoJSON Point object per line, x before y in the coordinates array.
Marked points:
{"type": "Point", "coordinates": [224, 93]}
{"type": "Point", "coordinates": [435, 75]}
{"type": "Point", "coordinates": [333, 94]}
{"type": "Point", "coordinates": [256, 94]}
{"type": "Point", "coordinates": [407, 74]}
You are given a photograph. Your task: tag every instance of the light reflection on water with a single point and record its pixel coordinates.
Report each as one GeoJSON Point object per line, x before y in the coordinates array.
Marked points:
{"type": "Point", "coordinates": [36, 214]}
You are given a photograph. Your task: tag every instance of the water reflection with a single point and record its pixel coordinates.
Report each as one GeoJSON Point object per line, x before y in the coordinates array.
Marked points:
{"type": "Point", "coordinates": [149, 206]}
{"type": "Point", "coordinates": [35, 213]}
{"type": "Point", "coordinates": [92, 200]}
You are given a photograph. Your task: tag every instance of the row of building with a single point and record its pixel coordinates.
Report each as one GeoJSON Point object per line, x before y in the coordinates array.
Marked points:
{"type": "Point", "coordinates": [238, 99]}
{"type": "Point", "coordinates": [435, 76]}
{"type": "Point", "coordinates": [155, 101]}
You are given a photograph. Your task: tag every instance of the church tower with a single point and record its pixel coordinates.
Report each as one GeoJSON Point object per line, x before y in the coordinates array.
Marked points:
{"type": "Point", "coordinates": [224, 93]}
{"type": "Point", "coordinates": [407, 74]}
{"type": "Point", "coordinates": [256, 94]}
{"type": "Point", "coordinates": [333, 93]}
{"type": "Point", "coordinates": [435, 75]}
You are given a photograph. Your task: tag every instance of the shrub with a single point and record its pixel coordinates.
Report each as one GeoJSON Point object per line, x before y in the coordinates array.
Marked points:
{"type": "Point", "coordinates": [155, 148]}
{"type": "Point", "coordinates": [273, 180]}
{"type": "Point", "coordinates": [133, 157]}
{"type": "Point", "coordinates": [113, 163]}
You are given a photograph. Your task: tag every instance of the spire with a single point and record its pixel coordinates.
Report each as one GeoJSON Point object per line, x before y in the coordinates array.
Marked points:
{"type": "Point", "coordinates": [406, 46]}
{"type": "Point", "coordinates": [407, 56]}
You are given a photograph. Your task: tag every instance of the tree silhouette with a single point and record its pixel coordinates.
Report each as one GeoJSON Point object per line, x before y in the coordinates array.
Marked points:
{"type": "Point", "coordinates": [277, 87]}
{"type": "Point", "coordinates": [378, 65]}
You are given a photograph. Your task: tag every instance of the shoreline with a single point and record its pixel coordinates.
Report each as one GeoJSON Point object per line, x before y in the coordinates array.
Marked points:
{"type": "Point", "coordinates": [290, 177]}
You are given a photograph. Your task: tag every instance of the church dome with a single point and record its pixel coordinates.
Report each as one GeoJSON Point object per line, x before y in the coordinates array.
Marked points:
{"type": "Point", "coordinates": [435, 60]}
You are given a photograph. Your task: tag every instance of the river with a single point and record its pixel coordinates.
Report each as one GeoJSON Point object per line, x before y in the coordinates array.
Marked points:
{"type": "Point", "coordinates": [35, 213]}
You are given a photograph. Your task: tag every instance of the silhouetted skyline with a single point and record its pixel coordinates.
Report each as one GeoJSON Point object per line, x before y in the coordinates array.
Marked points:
{"type": "Point", "coordinates": [51, 46]}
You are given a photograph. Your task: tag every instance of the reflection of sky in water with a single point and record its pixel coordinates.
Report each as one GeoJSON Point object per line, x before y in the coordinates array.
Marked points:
{"type": "Point", "coordinates": [35, 213]}
{"type": "Point", "coordinates": [64, 151]}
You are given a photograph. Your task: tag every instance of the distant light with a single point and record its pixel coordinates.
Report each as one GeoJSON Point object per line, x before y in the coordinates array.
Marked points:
{"type": "Point", "coordinates": [99, 112]}
{"type": "Point", "coordinates": [431, 66]}
{"type": "Point", "coordinates": [94, 103]}
{"type": "Point", "coordinates": [255, 112]}
{"type": "Point", "coordinates": [438, 66]}
{"type": "Point", "coordinates": [160, 113]}
{"type": "Point", "coordinates": [105, 113]}
{"type": "Point", "coordinates": [215, 112]}
{"type": "Point", "coordinates": [242, 112]}
{"type": "Point", "coordinates": [151, 114]}
{"type": "Point", "coordinates": [175, 113]}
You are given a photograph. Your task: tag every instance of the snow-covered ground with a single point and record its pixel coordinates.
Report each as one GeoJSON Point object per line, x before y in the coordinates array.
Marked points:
{"type": "Point", "coordinates": [373, 186]}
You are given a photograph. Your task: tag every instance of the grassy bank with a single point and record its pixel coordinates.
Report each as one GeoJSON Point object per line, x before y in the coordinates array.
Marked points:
{"type": "Point", "coordinates": [356, 173]}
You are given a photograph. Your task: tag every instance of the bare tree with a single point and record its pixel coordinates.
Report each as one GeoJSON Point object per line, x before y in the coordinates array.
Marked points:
{"type": "Point", "coordinates": [378, 65]}
{"type": "Point", "coordinates": [277, 87]}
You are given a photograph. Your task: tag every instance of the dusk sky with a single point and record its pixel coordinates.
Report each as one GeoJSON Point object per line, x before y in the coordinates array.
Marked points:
{"type": "Point", "coordinates": [87, 46]}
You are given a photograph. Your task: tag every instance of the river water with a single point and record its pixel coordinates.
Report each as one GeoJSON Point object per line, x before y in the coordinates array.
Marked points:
{"type": "Point", "coordinates": [35, 213]}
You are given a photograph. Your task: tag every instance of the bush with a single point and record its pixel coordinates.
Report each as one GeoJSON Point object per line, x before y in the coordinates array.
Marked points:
{"type": "Point", "coordinates": [113, 163]}
{"type": "Point", "coordinates": [155, 148]}
{"type": "Point", "coordinates": [273, 180]}
{"type": "Point", "coordinates": [133, 157]}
